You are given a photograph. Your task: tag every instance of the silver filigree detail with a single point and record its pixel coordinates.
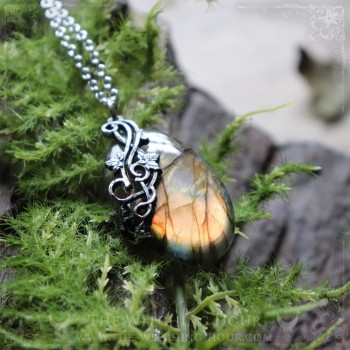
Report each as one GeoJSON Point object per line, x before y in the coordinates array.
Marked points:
{"type": "Point", "coordinates": [136, 173]}
{"type": "Point", "coordinates": [116, 163]}
{"type": "Point", "coordinates": [149, 160]}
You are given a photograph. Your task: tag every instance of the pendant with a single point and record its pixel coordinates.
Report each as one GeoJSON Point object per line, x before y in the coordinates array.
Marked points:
{"type": "Point", "coordinates": [165, 190]}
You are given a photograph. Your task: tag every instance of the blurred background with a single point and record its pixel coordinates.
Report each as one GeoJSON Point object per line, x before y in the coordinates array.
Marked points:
{"type": "Point", "coordinates": [258, 54]}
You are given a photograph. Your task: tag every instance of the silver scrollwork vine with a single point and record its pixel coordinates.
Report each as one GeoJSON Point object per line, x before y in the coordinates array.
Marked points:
{"type": "Point", "coordinates": [135, 170]}
{"type": "Point", "coordinates": [136, 173]}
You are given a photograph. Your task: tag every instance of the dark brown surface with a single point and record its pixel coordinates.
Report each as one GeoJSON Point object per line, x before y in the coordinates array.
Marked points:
{"type": "Point", "coordinates": [6, 189]}
{"type": "Point", "coordinates": [6, 192]}
{"type": "Point", "coordinates": [308, 226]}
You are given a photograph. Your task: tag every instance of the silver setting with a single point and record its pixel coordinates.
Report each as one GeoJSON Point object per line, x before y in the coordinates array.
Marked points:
{"type": "Point", "coordinates": [136, 173]}
{"type": "Point", "coordinates": [82, 50]}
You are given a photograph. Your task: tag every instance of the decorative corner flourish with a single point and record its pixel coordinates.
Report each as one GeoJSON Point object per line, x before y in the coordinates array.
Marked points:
{"type": "Point", "coordinates": [327, 22]}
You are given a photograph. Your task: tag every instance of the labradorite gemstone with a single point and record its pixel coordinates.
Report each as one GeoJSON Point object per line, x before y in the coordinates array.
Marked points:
{"type": "Point", "coordinates": [193, 215]}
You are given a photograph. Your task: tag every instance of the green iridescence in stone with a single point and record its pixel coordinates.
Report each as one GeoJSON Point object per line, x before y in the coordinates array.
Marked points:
{"type": "Point", "coordinates": [193, 215]}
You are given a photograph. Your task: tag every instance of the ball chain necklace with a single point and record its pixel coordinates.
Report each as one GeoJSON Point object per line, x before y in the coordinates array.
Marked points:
{"type": "Point", "coordinates": [160, 188]}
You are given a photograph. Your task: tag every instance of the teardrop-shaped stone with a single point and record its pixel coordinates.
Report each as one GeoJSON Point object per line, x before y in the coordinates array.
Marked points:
{"type": "Point", "coordinates": [194, 214]}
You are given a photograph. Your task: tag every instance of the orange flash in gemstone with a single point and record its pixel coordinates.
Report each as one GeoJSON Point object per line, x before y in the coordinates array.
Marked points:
{"type": "Point", "coordinates": [193, 215]}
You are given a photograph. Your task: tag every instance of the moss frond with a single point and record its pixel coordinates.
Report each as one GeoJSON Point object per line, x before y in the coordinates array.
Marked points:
{"type": "Point", "coordinates": [48, 110]}
{"type": "Point", "coordinates": [78, 283]}
{"type": "Point", "coordinates": [216, 153]}
{"type": "Point", "coordinates": [266, 187]}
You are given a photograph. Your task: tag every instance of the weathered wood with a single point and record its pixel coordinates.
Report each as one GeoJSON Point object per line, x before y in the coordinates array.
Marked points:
{"type": "Point", "coordinates": [309, 226]}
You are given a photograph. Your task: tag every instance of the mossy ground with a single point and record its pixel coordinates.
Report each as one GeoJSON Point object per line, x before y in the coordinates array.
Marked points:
{"type": "Point", "coordinates": [78, 283]}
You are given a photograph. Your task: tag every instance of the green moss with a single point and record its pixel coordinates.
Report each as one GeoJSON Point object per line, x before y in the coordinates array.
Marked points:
{"type": "Point", "coordinates": [50, 113]}
{"type": "Point", "coordinates": [215, 153]}
{"type": "Point", "coordinates": [78, 283]}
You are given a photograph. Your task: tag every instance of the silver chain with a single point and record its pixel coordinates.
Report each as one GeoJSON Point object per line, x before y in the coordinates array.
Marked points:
{"type": "Point", "coordinates": [82, 50]}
